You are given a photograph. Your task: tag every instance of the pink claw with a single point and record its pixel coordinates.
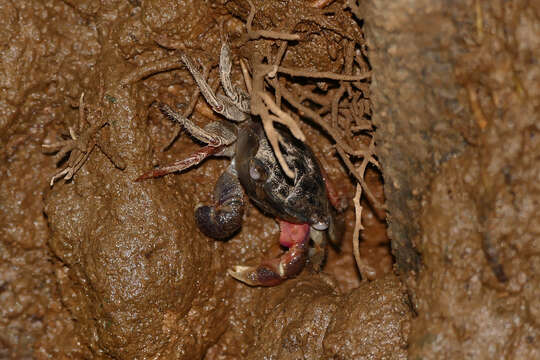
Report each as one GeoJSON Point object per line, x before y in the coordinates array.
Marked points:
{"type": "Point", "coordinates": [291, 234]}
{"type": "Point", "coordinates": [273, 271]}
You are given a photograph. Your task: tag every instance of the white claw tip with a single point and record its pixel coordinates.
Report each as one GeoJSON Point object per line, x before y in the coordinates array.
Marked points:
{"type": "Point", "coordinates": [240, 272]}
{"type": "Point", "coordinates": [321, 226]}
{"type": "Point", "coordinates": [237, 270]}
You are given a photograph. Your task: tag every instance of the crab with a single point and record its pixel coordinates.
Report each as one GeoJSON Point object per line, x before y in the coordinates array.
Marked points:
{"type": "Point", "coordinates": [301, 204]}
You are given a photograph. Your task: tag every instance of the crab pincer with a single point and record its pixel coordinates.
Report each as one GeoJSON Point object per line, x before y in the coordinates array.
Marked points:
{"type": "Point", "coordinates": [273, 271]}
{"type": "Point", "coordinates": [223, 218]}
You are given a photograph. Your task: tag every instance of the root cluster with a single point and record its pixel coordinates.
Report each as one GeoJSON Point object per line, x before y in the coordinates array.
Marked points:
{"type": "Point", "coordinates": [338, 103]}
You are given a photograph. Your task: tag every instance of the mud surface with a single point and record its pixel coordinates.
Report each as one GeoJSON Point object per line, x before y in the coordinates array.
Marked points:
{"type": "Point", "coordinates": [460, 88]}
{"type": "Point", "coordinates": [100, 266]}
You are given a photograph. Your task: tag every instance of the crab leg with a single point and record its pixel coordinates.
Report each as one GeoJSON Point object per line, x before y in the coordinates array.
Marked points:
{"type": "Point", "coordinates": [216, 135]}
{"type": "Point", "coordinates": [192, 160]}
{"type": "Point", "coordinates": [213, 134]}
{"type": "Point", "coordinates": [238, 97]}
{"type": "Point", "coordinates": [273, 271]}
{"type": "Point", "coordinates": [317, 253]}
{"type": "Point", "coordinates": [220, 104]}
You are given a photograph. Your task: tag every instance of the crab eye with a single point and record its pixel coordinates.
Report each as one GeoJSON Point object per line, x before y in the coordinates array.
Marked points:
{"type": "Point", "coordinates": [257, 170]}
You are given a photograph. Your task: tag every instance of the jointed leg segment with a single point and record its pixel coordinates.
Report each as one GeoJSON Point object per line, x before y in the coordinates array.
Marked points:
{"type": "Point", "coordinates": [239, 98]}
{"type": "Point", "coordinates": [191, 160]}
{"type": "Point", "coordinates": [220, 104]}
{"type": "Point", "coordinates": [214, 134]}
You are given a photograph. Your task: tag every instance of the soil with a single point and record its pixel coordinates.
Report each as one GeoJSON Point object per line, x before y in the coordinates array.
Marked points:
{"type": "Point", "coordinates": [457, 102]}
{"type": "Point", "coordinates": [100, 266]}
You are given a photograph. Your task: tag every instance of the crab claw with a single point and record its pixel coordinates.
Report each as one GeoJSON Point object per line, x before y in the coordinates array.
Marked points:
{"type": "Point", "coordinates": [273, 271]}
{"type": "Point", "coordinates": [256, 275]}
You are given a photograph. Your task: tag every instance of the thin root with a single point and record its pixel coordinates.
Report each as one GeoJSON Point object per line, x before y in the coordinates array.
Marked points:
{"type": "Point", "coordinates": [282, 117]}
{"type": "Point", "coordinates": [356, 233]}
{"type": "Point", "coordinates": [80, 145]}
{"type": "Point", "coordinates": [273, 138]}
{"type": "Point", "coordinates": [268, 34]}
{"type": "Point", "coordinates": [170, 63]}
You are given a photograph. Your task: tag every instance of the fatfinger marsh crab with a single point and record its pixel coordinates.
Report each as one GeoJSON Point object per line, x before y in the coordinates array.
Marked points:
{"type": "Point", "coordinates": [301, 204]}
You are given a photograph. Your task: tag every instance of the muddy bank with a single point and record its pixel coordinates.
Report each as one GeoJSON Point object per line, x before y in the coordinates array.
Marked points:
{"type": "Point", "coordinates": [100, 266]}
{"type": "Point", "coordinates": [460, 87]}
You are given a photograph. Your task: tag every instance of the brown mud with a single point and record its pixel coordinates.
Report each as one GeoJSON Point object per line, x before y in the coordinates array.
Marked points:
{"type": "Point", "coordinates": [100, 266]}
{"type": "Point", "coordinates": [457, 102]}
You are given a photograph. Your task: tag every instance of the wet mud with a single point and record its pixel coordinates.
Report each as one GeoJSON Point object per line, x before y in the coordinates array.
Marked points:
{"type": "Point", "coordinates": [459, 86]}
{"type": "Point", "coordinates": [100, 266]}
